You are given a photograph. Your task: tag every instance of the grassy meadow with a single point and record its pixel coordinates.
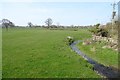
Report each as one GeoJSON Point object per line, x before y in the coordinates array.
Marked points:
{"type": "Point", "coordinates": [106, 56]}
{"type": "Point", "coordinates": [42, 53]}
{"type": "Point", "coordinates": [0, 53]}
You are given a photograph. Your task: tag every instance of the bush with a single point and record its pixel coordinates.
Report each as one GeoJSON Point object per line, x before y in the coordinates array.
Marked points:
{"type": "Point", "coordinates": [99, 31]}
{"type": "Point", "coordinates": [102, 32]}
{"type": "Point", "coordinates": [69, 40]}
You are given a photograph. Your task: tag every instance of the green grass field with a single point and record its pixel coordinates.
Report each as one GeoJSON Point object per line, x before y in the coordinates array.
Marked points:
{"type": "Point", "coordinates": [0, 53]}
{"type": "Point", "coordinates": [41, 53]}
{"type": "Point", "coordinates": [106, 56]}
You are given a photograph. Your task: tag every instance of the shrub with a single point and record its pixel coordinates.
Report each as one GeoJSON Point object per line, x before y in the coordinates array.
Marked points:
{"type": "Point", "coordinates": [69, 40]}
{"type": "Point", "coordinates": [99, 31]}
{"type": "Point", "coordinates": [103, 33]}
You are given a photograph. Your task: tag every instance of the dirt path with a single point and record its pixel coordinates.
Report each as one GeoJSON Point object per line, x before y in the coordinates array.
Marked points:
{"type": "Point", "coordinates": [99, 68]}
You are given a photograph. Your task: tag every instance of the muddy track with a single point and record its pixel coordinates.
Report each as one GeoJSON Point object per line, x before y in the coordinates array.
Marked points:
{"type": "Point", "coordinates": [108, 72]}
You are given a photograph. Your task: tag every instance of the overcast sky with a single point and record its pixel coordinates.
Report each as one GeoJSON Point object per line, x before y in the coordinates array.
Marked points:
{"type": "Point", "coordinates": [65, 13]}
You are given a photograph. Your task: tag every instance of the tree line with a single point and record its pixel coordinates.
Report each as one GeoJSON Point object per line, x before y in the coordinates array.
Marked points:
{"type": "Point", "coordinates": [49, 24]}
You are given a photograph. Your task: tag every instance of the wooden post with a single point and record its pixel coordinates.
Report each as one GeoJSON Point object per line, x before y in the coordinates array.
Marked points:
{"type": "Point", "coordinates": [113, 17]}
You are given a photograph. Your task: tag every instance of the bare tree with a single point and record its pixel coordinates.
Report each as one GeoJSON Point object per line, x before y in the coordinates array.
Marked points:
{"type": "Point", "coordinates": [6, 23]}
{"type": "Point", "coordinates": [49, 22]}
{"type": "Point", "coordinates": [30, 24]}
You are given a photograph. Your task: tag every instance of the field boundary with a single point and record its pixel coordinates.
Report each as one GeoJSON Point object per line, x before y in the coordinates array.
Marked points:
{"type": "Point", "coordinates": [97, 67]}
